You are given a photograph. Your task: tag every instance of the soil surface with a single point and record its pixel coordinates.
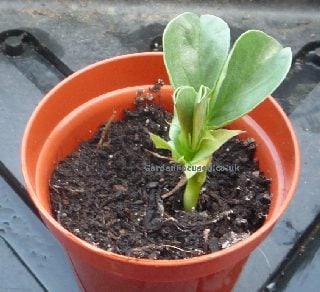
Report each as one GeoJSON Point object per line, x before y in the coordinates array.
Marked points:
{"type": "Point", "coordinates": [110, 195]}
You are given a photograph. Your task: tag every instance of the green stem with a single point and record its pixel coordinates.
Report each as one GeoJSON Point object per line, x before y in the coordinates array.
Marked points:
{"type": "Point", "coordinates": [192, 190]}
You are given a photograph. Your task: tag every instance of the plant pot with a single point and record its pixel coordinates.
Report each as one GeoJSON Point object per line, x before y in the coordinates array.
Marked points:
{"type": "Point", "coordinates": [74, 109]}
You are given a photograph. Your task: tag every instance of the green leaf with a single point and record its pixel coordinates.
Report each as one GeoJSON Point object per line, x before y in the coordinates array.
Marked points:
{"type": "Point", "coordinates": [212, 141]}
{"type": "Point", "coordinates": [159, 142]}
{"type": "Point", "coordinates": [174, 130]}
{"type": "Point", "coordinates": [177, 141]}
{"type": "Point", "coordinates": [184, 99]}
{"type": "Point", "coordinates": [195, 49]}
{"type": "Point", "coordinates": [199, 116]}
{"type": "Point", "coordinates": [167, 145]}
{"type": "Point", "coordinates": [256, 66]}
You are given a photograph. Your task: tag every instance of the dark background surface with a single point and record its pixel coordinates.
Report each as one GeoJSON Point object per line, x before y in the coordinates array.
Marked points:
{"type": "Point", "coordinates": [82, 32]}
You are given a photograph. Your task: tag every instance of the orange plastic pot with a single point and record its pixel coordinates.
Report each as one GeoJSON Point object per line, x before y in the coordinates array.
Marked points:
{"type": "Point", "coordinates": [74, 109]}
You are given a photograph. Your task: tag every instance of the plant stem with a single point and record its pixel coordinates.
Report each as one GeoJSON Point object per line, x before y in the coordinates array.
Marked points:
{"type": "Point", "coordinates": [192, 190]}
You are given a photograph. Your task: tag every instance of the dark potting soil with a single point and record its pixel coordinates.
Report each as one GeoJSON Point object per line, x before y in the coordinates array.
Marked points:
{"type": "Point", "coordinates": [110, 196]}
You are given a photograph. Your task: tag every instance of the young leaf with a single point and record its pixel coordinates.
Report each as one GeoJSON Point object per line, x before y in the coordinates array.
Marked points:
{"type": "Point", "coordinates": [174, 130]}
{"type": "Point", "coordinates": [184, 100]}
{"type": "Point", "coordinates": [195, 49]}
{"type": "Point", "coordinates": [199, 116]}
{"type": "Point", "coordinates": [167, 145]}
{"type": "Point", "coordinates": [159, 142]}
{"type": "Point", "coordinates": [212, 141]}
{"type": "Point", "coordinates": [256, 66]}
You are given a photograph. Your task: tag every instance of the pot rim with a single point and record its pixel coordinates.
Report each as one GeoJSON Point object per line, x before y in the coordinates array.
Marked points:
{"type": "Point", "coordinates": [261, 232]}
